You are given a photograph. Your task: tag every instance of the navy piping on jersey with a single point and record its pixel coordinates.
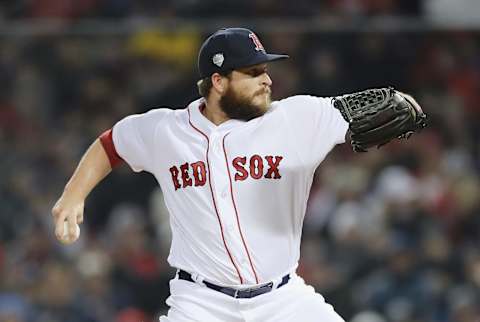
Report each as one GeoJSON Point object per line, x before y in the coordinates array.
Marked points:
{"type": "Point", "coordinates": [213, 198]}
{"type": "Point", "coordinates": [236, 212]}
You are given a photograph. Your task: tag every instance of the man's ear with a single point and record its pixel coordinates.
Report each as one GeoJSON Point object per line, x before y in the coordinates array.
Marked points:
{"type": "Point", "coordinates": [219, 83]}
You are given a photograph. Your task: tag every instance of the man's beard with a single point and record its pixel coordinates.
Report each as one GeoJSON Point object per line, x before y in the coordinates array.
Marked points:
{"type": "Point", "coordinates": [240, 107]}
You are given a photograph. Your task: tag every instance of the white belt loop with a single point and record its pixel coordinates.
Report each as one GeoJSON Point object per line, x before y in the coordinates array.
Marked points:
{"type": "Point", "coordinates": [197, 278]}
{"type": "Point", "coordinates": [276, 282]}
{"type": "Point", "coordinates": [279, 280]}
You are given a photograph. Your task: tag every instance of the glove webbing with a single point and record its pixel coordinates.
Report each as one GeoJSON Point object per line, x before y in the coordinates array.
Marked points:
{"type": "Point", "coordinates": [360, 103]}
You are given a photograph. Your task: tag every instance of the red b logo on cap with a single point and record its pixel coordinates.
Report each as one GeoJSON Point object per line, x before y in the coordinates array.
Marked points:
{"type": "Point", "coordinates": [256, 41]}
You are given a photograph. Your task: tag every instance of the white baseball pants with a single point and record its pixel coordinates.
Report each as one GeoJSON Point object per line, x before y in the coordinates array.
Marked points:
{"type": "Point", "coordinates": [293, 302]}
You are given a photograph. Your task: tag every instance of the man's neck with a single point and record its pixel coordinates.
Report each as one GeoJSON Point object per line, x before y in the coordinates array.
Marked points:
{"type": "Point", "coordinates": [213, 113]}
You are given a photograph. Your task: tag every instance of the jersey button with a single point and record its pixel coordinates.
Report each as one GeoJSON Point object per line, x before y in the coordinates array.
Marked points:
{"type": "Point", "coordinates": [224, 193]}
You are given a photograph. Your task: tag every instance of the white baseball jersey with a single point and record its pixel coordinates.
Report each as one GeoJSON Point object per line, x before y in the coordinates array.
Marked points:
{"type": "Point", "coordinates": [236, 192]}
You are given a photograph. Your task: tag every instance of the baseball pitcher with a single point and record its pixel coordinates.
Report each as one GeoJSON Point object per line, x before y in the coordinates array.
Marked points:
{"type": "Point", "coordinates": [236, 169]}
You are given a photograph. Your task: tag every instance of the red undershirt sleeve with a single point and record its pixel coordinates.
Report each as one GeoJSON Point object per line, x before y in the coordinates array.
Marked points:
{"type": "Point", "coordinates": [109, 147]}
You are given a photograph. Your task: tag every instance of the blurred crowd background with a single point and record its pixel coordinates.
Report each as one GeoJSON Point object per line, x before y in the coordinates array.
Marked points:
{"type": "Point", "coordinates": [390, 236]}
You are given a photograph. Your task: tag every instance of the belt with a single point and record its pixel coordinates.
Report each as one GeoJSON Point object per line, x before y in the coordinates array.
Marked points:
{"type": "Point", "coordinates": [238, 294]}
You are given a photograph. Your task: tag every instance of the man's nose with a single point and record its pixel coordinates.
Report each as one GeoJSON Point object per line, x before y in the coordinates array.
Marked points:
{"type": "Point", "coordinates": [266, 80]}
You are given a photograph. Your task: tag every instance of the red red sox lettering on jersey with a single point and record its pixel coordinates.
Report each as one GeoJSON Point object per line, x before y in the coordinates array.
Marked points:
{"type": "Point", "coordinates": [236, 189]}
{"type": "Point", "coordinates": [195, 174]}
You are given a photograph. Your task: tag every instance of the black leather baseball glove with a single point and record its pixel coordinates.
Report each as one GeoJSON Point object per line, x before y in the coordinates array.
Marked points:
{"type": "Point", "coordinates": [377, 116]}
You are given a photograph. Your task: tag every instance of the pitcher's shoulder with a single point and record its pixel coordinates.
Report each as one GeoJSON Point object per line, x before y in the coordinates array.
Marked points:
{"type": "Point", "coordinates": [165, 114]}
{"type": "Point", "coordinates": [302, 101]}
{"type": "Point", "coordinates": [161, 112]}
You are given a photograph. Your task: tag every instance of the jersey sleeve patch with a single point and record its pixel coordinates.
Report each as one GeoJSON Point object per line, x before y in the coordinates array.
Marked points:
{"type": "Point", "coordinates": [107, 143]}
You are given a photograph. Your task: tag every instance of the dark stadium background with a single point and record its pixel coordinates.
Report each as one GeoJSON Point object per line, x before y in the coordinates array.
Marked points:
{"type": "Point", "coordinates": [391, 235]}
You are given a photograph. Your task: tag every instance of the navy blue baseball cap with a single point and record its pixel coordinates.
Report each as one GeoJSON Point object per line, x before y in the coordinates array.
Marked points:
{"type": "Point", "coordinates": [231, 48]}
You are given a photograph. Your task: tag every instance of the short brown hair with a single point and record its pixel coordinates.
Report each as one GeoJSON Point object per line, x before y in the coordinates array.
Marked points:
{"type": "Point", "coordinates": [205, 84]}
